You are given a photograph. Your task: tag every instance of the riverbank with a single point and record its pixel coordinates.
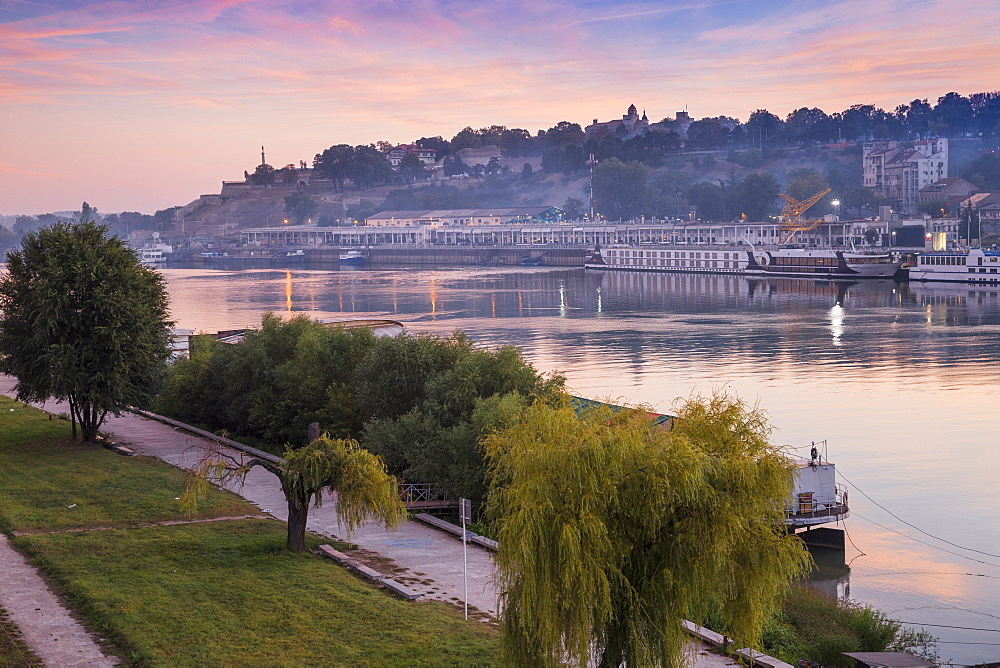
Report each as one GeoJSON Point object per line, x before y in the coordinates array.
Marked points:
{"type": "Point", "coordinates": [197, 593]}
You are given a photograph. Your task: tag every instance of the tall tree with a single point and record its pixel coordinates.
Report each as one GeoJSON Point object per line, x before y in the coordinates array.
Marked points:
{"type": "Point", "coordinates": [364, 490]}
{"type": "Point", "coordinates": [803, 183]}
{"type": "Point", "coordinates": [263, 175]}
{"type": "Point", "coordinates": [706, 197]}
{"type": "Point", "coordinates": [954, 114]}
{"type": "Point", "coordinates": [368, 167]}
{"type": "Point", "coordinates": [984, 171]}
{"type": "Point", "coordinates": [620, 188]}
{"type": "Point", "coordinates": [301, 206]}
{"type": "Point", "coordinates": [763, 128]}
{"type": "Point", "coordinates": [613, 530]}
{"type": "Point", "coordinates": [411, 168]}
{"type": "Point", "coordinates": [707, 134]}
{"type": "Point", "coordinates": [334, 164]}
{"type": "Point", "coordinates": [754, 196]}
{"type": "Point", "coordinates": [82, 320]}
{"type": "Point", "coordinates": [466, 138]}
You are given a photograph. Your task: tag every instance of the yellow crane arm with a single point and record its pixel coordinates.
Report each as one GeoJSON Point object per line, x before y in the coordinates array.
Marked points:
{"type": "Point", "coordinates": [792, 213]}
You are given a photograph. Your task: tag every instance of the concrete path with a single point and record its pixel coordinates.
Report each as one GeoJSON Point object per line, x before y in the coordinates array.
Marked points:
{"type": "Point", "coordinates": [46, 626]}
{"type": "Point", "coordinates": [425, 559]}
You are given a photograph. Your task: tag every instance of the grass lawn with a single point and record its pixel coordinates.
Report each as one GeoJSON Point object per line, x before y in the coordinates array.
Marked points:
{"type": "Point", "coordinates": [219, 593]}
{"type": "Point", "coordinates": [44, 472]}
{"type": "Point", "coordinates": [228, 593]}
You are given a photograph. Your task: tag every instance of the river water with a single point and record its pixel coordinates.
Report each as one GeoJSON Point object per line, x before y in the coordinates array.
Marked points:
{"type": "Point", "coordinates": [900, 380]}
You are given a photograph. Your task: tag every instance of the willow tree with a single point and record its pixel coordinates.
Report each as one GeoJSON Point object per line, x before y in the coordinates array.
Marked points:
{"type": "Point", "coordinates": [364, 489]}
{"type": "Point", "coordinates": [613, 530]}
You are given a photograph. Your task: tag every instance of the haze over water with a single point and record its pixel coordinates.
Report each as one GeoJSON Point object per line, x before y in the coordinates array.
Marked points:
{"type": "Point", "coordinates": [899, 379]}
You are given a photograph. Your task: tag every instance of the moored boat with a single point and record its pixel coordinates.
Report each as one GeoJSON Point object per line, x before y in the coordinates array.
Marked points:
{"type": "Point", "coordinates": [152, 257]}
{"type": "Point", "coordinates": [803, 262]}
{"type": "Point", "coordinates": [352, 257]}
{"type": "Point", "coordinates": [789, 261]}
{"type": "Point", "coordinates": [670, 258]}
{"type": "Point", "coordinates": [959, 266]}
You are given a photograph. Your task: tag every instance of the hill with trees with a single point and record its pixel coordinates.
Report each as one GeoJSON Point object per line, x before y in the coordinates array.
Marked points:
{"type": "Point", "coordinates": [713, 168]}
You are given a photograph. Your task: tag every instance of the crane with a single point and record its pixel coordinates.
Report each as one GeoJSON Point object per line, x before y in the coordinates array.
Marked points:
{"type": "Point", "coordinates": [791, 215]}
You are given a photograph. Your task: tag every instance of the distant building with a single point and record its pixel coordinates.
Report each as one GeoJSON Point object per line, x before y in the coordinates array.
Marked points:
{"type": "Point", "coordinates": [898, 172]}
{"type": "Point", "coordinates": [630, 125]}
{"type": "Point", "coordinates": [946, 188]}
{"type": "Point", "coordinates": [516, 215]}
{"type": "Point", "coordinates": [397, 153]}
{"type": "Point", "coordinates": [987, 205]}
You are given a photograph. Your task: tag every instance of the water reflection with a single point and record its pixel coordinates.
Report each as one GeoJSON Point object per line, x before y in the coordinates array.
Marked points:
{"type": "Point", "coordinates": [836, 323]}
{"type": "Point", "coordinates": [831, 574]}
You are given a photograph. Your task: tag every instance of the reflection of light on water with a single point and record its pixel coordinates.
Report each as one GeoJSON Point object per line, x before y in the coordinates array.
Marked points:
{"type": "Point", "coordinates": [288, 291]}
{"type": "Point", "coordinates": [493, 305]}
{"type": "Point", "coordinates": [837, 323]}
{"type": "Point", "coordinates": [432, 290]}
{"type": "Point", "coordinates": [562, 299]}
{"type": "Point", "coordinates": [598, 299]}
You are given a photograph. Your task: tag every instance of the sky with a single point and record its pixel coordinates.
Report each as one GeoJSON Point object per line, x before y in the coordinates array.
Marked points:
{"type": "Point", "coordinates": [149, 104]}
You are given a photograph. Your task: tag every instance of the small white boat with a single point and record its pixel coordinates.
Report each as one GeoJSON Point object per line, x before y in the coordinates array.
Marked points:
{"type": "Point", "coordinates": [152, 257]}
{"type": "Point", "coordinates": [353, 257]}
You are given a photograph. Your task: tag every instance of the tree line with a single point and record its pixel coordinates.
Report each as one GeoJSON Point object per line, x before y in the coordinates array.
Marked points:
{"type": "Point", "coordinates": [421, 402]}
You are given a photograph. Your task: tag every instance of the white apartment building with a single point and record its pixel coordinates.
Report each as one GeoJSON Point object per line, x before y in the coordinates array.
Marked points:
{"type": "Point", "coordinates": [898, 172]}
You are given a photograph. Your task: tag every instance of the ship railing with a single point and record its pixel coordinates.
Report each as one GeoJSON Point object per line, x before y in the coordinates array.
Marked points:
{"type": "Point", "coordinates": [839, 507]}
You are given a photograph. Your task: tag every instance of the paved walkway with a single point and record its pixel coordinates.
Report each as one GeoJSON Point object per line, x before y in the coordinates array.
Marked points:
{"type": "Point", "coordinates": [425, 559]}
{"type": "Point", "coordinates": [46, 626]}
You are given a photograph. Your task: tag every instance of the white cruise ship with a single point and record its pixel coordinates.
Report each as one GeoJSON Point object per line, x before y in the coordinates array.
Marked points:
{"type": "Point", "coordinates": [791, 261]}
{"type": "Point", "coordinates": [959, 266]}
{"type": "Point", "coordinates": [680, 259]}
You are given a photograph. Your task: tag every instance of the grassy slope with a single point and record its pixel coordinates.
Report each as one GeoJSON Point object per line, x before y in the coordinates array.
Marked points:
{"type": "Point", "coordinates": [200, 594]}
{"type": "Point", "coordinates": [44, 472]}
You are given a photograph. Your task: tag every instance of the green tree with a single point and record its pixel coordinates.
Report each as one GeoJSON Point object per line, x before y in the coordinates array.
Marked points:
{"type": "Point", "coordinates": [362, 210]}
{"type": "Point", "coordinates": [763, 128]}
{"type": "Point", "coordinates": [263, 175]}
{"type": "Point", "coordinates": [86, 213]}
{"type": "Point", "coordinates": [333, 163]}
{"type": "Point", "coordinates": [754, 196]}
{"type": "Point", "coordinates": [707, 199]}
{"type": "Point", "coordinates": [364, 490]}
{"type": "Point", "coordinates": [707, 134]}
{"type": "Point", "coordinates": [858, 198]}
{"type": "Point", "coordinates": [803, 183]}
{"type": "Point", "coordinates": [613, 530]}
{"type": "Point", "coordinates": [573, 206]}
{"type": "Point", "coordinates": [8, 238]}
{"type": "Point", "coordinates": [620, 188]}
{"type": "Point", "coordinates": [301, 206]}
{"type": "Point", "coordinates": [82, 320]}
{"type": "Point", "coordinates": [984, 171]}
{"type": "Point", "coordinates": [164, 218]}
{"type": "Point", "coordinates": [466, 138]}
{"type": "Point", "coordinates": [412, 168]}
{"type": "Point", "coordinates": [368, 167]}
